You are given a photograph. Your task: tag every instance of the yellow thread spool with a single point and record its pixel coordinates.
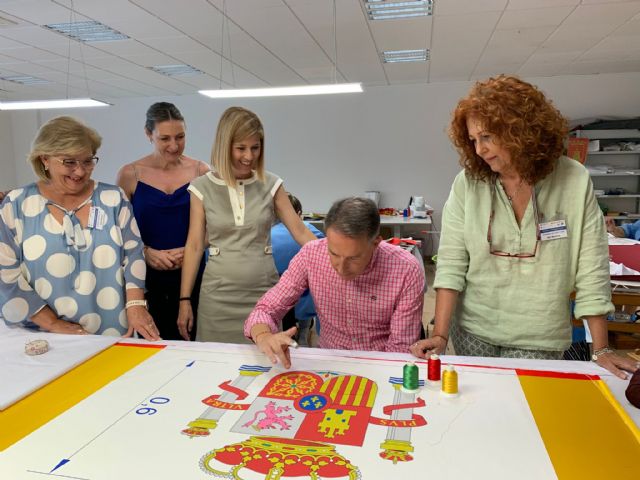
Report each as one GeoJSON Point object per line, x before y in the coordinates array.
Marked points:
{"type": "Point", "coordinates": [450, 381]}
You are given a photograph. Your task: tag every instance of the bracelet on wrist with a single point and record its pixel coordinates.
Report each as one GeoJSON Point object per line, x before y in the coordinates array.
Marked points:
{"type": "Point", "coordinates": [136, 303]}
{"type": "Point", "coordinates": [185, 299]}
{"type": "Point", "coordinates": [598, 353]}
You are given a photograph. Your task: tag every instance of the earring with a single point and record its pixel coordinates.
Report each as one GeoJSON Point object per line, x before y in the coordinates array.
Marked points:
{"type": "Point", "coordinates": [46, 167]}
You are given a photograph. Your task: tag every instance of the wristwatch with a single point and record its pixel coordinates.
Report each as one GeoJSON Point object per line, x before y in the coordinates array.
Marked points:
{"type": "Point", "coordinates": [136, 303]}
{"type": "Point", "coordinates": [598, 353]}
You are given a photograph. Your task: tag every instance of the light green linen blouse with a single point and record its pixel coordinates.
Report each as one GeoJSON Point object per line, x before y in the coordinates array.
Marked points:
{"type": "Point", "coordinates": [524, 302]}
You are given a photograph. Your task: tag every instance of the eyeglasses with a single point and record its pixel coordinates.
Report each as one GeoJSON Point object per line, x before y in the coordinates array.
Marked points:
{"type": "Point", "coordinates": [536, 219]}
{"type": "Point", "coordinates": [72, 163]}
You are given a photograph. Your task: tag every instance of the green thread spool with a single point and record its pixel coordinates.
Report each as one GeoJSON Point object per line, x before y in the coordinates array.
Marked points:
{"type": "Point", "coordinates": [410, 377]}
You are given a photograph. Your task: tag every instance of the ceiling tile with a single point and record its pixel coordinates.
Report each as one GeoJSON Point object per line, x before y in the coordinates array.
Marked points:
{"type": "Point", "coordinates": [485, 70]}
{"type": "Point", "coordinates": [358, 59]}
{"type": "Point", "coordinates": [535, 17]}
{"type": "Point", "coordinates": [279, 31]}
{"type": "Point", "coordinates": [287, 42]}
{"type": "Point", "coordinates": [40, 12]}
{"type": "Point", "coordinates": [521, 37]}
{"type": "Point", "coordinates": [415, 72]}
{"type": "Point", "coordinates": [610, 14]}
{"type": "Point", "coordinates": [458, 41]}
{"type": "Point", "coordinates": [463, 7]}
{"type": "Point", "coordinates": [529, 4]}
{"type": "Point", "coordinates": [540, 69]}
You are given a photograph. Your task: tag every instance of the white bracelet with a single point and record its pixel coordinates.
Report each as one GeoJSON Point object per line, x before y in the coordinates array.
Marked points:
{"type": "Point", "coordinates": [598, 353]}
{"type": "Point", "coordinates": [136, 303]}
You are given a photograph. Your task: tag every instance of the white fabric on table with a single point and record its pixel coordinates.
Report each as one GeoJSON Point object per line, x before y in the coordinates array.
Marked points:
{"type": "Point", "coordinates": [21, 374]}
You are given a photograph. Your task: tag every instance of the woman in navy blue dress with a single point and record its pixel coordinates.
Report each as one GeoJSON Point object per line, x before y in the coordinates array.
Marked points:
{"type": "Point", "coordinates": [157, 186]}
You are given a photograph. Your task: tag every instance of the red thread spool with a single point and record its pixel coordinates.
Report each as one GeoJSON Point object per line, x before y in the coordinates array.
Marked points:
{"type": "Point", "coordinates": [433, 368]}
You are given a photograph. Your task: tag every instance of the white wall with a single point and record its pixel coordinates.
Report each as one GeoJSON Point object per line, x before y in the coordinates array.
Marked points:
{"type": "Point", "coordinates": [391, 139]}
{"type": "Point", "coordinates": [7, 158]}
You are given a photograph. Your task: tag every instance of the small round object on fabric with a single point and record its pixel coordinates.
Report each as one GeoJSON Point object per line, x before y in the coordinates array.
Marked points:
{"type": "Point", "coordinates": [36, 347]}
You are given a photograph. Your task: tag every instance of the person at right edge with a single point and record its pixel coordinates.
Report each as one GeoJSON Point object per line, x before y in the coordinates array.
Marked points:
{"type": "Point", "coordinates": [521, 231]}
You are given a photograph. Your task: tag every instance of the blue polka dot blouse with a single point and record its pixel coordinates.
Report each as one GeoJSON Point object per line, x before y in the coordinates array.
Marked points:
{"type": "Point", "coordinates": [80, 273]}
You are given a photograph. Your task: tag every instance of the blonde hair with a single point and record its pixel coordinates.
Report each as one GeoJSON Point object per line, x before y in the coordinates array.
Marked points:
{"type": "Point", "coordinates": [61, 136]}
{"type": "Point", "coordinates": [236, 124]}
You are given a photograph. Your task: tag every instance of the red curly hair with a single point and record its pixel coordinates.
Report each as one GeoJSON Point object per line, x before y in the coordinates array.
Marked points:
{"type": "Point", "coordinates": [521, 119]}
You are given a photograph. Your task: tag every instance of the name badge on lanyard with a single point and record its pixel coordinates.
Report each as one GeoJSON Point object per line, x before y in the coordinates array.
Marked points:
{"type": "Point", "coordinates": [552, 230]}
{"type": "Point", "coordinates": [97, 218]}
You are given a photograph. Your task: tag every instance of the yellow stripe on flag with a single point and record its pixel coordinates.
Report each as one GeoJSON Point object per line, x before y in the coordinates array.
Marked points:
{"type": "Point", "coordinates": [581, 425]}
{"type": "Point", "coordinates": [43, 405]}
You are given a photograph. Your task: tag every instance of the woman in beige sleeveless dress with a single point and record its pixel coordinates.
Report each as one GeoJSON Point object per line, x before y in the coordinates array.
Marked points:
{"type": "Point", "coordinates": [235, 205]}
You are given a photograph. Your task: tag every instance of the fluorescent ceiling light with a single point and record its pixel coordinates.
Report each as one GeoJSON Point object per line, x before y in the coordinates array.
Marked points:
{"type": "Point", "coordinates": [91, 31]}
{"type": "Point", "coordinates": [176, 70]}
{"type": "Point", "coordinates": [25, 80]}
{"type": "Point", "coordinates": [383, 10]}
{"type": "Point", "coordinates": [43, 104]}
{"type": "Point", "coordinates": [397, 56]}
{"type": "Point", "coordinates": [284, 91]}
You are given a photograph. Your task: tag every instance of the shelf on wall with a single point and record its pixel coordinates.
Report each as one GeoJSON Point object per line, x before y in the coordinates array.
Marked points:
{"type": "Point", "coordinates": [617, 152]}
{"type": "Point", "coordinates": [615, 173]}
{"type": "Point", "coordinates": [631, 216]}
{"type": "Point", "coordinates": [626, 195]}
{"type": "Point", "coordinates": [609, 134]}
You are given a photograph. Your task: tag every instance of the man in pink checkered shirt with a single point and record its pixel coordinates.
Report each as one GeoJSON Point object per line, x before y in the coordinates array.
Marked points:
{"type": "Point", "coordinates": [368, 293]}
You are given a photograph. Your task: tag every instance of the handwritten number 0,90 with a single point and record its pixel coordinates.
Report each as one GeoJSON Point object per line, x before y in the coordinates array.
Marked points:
{"type": "Point", "coordinates": [146, 411]}
{"type": "Point", "coordinates": [149, 410]}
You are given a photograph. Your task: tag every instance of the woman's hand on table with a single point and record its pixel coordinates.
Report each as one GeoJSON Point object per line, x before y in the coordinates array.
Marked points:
{"type": "Point", "coordinates": [276, 345]}
{"type": "Point", "coordinates": [617, 364]}
{"type": "Point", "coordinates": [48, 321]}
{"type": "Point", "coordinates": [62, 326]}
{"type": "Point", "coordinates": [422, 348]}
{"type": "Point", "coordinates": [140, 321]}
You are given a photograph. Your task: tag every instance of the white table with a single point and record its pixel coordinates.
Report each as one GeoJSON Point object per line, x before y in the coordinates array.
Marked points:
{"type": "Point", "coordinates": [397, 222]}
{"type": "Point", "coordinates": [403, 223]}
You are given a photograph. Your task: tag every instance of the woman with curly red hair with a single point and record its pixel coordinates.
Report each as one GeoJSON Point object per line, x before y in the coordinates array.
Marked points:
{"type": "Point", "coordinates": [521, 231]}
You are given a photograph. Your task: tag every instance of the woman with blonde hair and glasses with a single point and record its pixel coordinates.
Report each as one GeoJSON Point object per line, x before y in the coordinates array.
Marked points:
{"type": "Point", "coordinates": [235, 205]}
{"type": "Point", "coordinates": [70, 251]}
{"type": "Point", "coordinates": [521, 231]}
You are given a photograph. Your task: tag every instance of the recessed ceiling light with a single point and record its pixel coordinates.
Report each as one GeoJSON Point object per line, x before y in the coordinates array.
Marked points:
{"type": "Point", "coordinates": [385, 10]}
{"type": "Point", "coordinates": [25, 80]}
{"type": "Point", "coordinates": [397, 56]}
{"type": "Point", "coordinates": [90, 31]}
{"type": "Point", "coordinates": [176, 70]}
